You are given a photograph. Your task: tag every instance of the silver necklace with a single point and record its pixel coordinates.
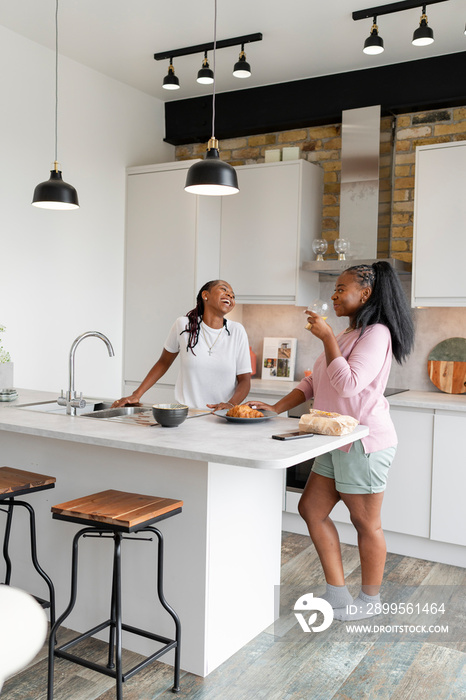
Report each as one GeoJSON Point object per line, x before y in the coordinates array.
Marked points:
{"type": "Point", "coordinates": [209, 348]}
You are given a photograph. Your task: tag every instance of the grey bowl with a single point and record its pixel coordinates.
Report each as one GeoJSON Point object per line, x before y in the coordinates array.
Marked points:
{"type": "Point", "coordinates": [169, 415]}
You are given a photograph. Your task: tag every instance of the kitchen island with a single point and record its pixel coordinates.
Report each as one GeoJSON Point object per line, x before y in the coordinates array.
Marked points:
{"type": "Point", "coordinates": [222, 566]}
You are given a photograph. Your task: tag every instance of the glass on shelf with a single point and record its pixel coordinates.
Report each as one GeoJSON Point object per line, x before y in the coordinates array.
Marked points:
{"type": "Point", "coordinates": [341, 246]}
{"type": "Point", "coordinates": [319, 246]}
{"type": "Point", "coordinates": [318, 307]}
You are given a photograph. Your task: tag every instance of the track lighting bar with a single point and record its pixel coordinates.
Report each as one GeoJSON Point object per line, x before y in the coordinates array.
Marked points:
{"type": "Point", "coordinates": [222, 44]}
{"type": "Point", "coordinates": [392, 7]}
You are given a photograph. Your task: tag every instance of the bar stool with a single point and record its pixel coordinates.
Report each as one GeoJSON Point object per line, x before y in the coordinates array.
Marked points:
{"type": "Point", "coordinates": [14, 483]}
{"type": "Point", "coordinates": [109, 514]}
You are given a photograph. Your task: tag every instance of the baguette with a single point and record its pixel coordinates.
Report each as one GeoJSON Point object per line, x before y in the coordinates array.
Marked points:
{"type": "Point", "coordinates": [327, 423]}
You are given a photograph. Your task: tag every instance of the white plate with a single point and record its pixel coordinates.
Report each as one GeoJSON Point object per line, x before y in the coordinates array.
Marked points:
{"type": "Point", "coordinates": [223, 414]}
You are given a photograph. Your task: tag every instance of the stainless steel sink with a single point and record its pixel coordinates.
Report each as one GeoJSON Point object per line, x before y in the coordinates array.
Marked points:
{"type": "Point", "coordinates": [95, 408]}
{"type": "Point", "coordinates": [115, 412]}
{"type": "Point", "coordinates": [92, 405]}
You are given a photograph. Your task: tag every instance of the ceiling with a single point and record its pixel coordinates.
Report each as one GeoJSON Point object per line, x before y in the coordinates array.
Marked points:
{"type": "Point", "coordinates": [301, 38]}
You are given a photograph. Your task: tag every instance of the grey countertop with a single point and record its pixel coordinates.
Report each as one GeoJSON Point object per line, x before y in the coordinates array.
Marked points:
{"type": "Point", "coordinates": [207, 438]}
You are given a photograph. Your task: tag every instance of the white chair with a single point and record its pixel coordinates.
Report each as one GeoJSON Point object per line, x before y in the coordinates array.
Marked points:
{"type": "Point", "coordinates": [23, 629]}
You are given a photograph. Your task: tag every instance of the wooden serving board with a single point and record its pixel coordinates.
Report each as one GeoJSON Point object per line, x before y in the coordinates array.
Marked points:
{"type": "Point", "coordinates": [446, 366]}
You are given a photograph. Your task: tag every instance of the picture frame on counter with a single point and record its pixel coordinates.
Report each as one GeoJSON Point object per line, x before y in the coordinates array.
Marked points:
{"type": "Point", "coordinates": [279, 359]}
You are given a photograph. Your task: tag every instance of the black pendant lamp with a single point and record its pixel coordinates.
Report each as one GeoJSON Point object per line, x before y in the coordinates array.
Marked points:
{"type": "Point", "coordinates": [212, 176]}
{"type": "Point", "coordinates": [55, 193]}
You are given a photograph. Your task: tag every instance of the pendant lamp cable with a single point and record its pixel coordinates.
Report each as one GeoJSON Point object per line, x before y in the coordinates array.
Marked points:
{"type": "Point", "coordinates": [212, 176]}
{"type": "Point", "coordinates": [56, 86]}
{"type": "Point", "coordinates": [55, 193]}
{"type": "Point", "coordinates": [215, 72]}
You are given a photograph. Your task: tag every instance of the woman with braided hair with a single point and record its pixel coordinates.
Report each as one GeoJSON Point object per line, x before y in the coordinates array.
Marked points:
{"type": "Point", "coordinates": [350, 377]}
{"type": "Point", "coordinates": [215, 363]}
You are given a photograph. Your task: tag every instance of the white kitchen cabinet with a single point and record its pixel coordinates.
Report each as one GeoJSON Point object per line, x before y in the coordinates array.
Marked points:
{"type": "Point", "coordinates": [439, 241]}
{"type": "Point", "coordinates": [406, 503]}
{"type": "Point", "coordinates": [448, 522]}
{"type": "Point", "coordinates": [267, 232]}
{"type": "Point", "coordinates": [172, 248]}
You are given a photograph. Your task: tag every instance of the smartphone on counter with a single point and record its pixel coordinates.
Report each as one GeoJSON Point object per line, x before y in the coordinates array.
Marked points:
{"type": "Point", "coordinates": [292, 436]}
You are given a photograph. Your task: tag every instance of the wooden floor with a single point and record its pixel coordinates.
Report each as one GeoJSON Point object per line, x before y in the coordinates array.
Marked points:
{"type": "Point", "coordinates": [284, 663]}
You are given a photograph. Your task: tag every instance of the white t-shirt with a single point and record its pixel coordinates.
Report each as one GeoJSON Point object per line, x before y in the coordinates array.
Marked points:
{"type": "Point", "coordinates": [209, 378]}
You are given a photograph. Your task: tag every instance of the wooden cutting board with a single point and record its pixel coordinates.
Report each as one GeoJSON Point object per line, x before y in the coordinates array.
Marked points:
{"type": "Point", "coordinates": [446, 365]}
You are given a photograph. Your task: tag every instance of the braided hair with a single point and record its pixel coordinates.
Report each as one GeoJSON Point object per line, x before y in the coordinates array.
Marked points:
{"type": "Point", "coordinates": [387, 304]}
{"type": "Point", "coordinates": [195, 317]}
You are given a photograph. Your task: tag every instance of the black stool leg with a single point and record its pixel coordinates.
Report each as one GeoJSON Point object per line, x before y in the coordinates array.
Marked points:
{"type": "Point", "coordinates": [38, 568]}
{"type": "Point", "coordinates": [168, 608]}
{"type": "Point", "coordinates": [117, 618]}
{"type": "Point", "coordinates": [6, 542]}
{"type": "Point", "coordinates": [111, 636]}
{"type": "Point", "coordinates": [71, 604]}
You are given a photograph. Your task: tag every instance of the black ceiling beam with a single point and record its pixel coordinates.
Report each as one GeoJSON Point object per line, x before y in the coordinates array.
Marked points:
{"type": "Point", "coordinates": [202, 48]}
{"type": "Point", "coordinates": [403, 87]}
{"type": "Point", "coordinates": [392, 7]}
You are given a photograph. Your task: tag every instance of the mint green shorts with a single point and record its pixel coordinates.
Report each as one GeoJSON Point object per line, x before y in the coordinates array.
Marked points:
{"type": "Point", "coordinates": [355, 471]}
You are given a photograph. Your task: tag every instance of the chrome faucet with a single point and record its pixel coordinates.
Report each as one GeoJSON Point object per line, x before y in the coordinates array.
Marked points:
{"type": "Point", "coordinates": [70, 400]}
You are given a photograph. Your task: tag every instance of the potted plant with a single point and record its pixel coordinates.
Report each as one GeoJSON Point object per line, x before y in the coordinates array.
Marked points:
{"type": "Point", "coordinates": [6, 366]}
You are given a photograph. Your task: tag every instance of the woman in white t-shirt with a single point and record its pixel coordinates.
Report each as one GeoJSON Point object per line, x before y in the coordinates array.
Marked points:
{"type": "Point", "coordinates": [215, 363]}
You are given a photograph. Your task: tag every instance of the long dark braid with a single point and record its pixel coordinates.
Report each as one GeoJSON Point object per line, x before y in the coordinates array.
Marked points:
{"type": "Point", "coordinates": [195, 317]}
{"type": "Point", "coordinates": [387, 304]}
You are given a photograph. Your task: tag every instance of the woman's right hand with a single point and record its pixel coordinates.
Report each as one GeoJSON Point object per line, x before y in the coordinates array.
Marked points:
{"type": "Point", "coordinates": [133, 400]}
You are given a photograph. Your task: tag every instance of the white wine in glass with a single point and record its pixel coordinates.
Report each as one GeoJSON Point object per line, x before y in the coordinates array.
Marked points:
{"type": "Point", "coordinates": [318, 307]}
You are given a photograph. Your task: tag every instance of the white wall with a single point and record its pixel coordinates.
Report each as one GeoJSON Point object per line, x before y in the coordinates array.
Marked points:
{"type": "Point", "coordinates": [61, 273]}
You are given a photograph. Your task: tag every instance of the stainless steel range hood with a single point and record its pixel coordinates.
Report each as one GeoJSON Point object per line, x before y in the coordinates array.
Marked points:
{"type": "Point", "coordinates": [359, 193]}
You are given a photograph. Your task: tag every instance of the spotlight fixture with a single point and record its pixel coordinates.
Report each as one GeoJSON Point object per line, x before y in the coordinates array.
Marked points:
{"type": "Point", "coordinates": [212, 176]}
{"type": "Point", "coordinates": [374, 43]}
{"type": "Point", "coordinates": [242, 69]}
{"type": "Point", "coordinates": [171, 82]}
{"type": "Point", "coordinates": [55, 193]}
{"type": "Point", "coordinates": [423, 35]}
{"type": "Point", "coordinates": [205, 75]}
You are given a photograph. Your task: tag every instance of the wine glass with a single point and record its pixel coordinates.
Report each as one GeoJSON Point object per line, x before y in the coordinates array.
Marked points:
{"type": "Point", "coordinates": [319, 246]}
{"type": "Point", "coordinates": [318, 307]}
{"type": "Point", "coordinates": [341, 246]}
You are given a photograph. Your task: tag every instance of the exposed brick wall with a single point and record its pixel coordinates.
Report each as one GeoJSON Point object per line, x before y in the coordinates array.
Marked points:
{"type": "Point", "coordinates": [399, 137]}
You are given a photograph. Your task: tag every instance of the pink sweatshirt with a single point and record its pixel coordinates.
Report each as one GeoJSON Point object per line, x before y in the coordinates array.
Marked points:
{"type": "Point", "coordinates": [354, 384]}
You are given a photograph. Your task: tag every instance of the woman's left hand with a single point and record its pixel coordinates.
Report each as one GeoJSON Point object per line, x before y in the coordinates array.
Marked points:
{"type": "Point", "coordinates": [319, 327]}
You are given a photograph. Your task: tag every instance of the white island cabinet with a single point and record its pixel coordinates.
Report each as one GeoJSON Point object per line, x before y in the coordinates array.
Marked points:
{"type": "Point", "coordinates": [222, 553]}
{"type": "Point", "coordinates": [267, 232]}
{"type": "Point", "coordinates": [439, 240]}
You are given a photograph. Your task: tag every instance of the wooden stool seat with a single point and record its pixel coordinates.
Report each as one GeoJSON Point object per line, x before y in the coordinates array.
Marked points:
{"type": "Point", "coordinates": [108, 515]}
{"type": "Point", "coordinates": [16, 482]}
{"type": "Point", "coordinates": [118, 509]}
